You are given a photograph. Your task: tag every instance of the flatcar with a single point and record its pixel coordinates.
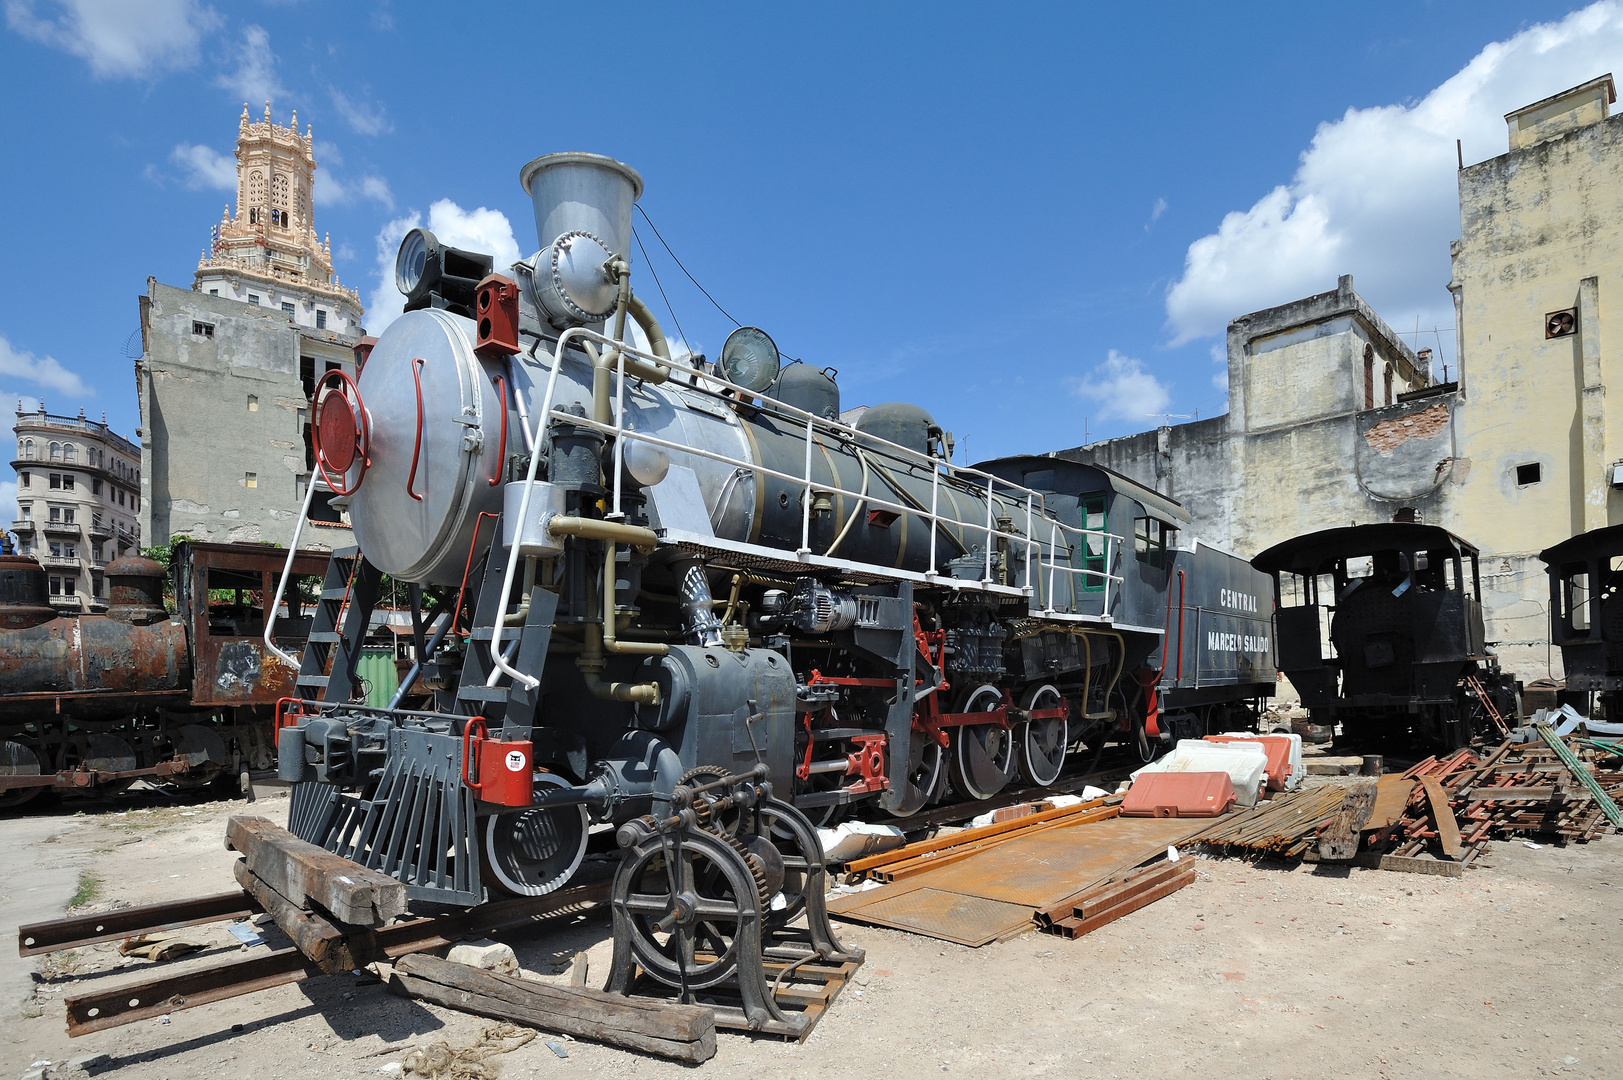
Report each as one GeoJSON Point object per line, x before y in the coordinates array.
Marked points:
{"type": "Point", "coordinates": [631, 571]}
{"type": "Point", "coordinates": [1586, 617]}
{"type": "Point", "coordinates": [1379, 628]}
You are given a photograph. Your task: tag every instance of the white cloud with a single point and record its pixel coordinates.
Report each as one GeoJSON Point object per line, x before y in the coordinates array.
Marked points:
{"type": "Point", "coordinates": [254, 79]}
{"type": "Point", "coordinates": [1375, 194]}
{"type": "Point", "coordinates": [1124, 389]}
{"type": "Point", "coordinates": [363, 117]}
{"type": "Point", "coordinates": [480, 229]}
{"type": "Point", "coordinates": [206, 167]}
{"type": "Point", "coordinates": [1156, 211]}
{"type": "Point", "coordinates": [331, 191]}
{"type": "Point", "coordinates": [8, 502]}
{"type": "Point", "coordinates": [45, 371]}
{"type": "Point", "coordinates": [117, 38]}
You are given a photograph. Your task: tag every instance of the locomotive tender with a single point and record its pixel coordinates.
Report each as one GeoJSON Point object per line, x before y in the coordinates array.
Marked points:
{"type": "Point", "coordinates": [1398, 604]}
{"type": "Point", "coordinates": [630, 571]}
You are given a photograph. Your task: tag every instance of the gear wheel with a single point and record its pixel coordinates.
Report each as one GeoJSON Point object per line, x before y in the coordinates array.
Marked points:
{"type": "Point", "coordinates": [704, 774]}
{"type": "Point", "coordinates": [751, 860]}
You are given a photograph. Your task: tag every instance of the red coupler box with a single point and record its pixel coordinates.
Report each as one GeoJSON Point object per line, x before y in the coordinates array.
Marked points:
{"type": "Point", "coordinates": [1179, 794]}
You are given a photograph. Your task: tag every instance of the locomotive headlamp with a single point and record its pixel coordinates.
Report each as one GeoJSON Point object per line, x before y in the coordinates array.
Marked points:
{"type": "Point", "coordinates": [429, 274]}
{"type": "Point", "coordinates": [749, 359]}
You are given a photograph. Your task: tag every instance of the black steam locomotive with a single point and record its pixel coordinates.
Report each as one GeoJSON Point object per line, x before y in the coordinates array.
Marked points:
{"type": "Point", "coordinates": [633, 574]}
{"type": "Point", "coordinates": [1380, 630]}
{"type": "Point", "coordinates": [1586, 616]}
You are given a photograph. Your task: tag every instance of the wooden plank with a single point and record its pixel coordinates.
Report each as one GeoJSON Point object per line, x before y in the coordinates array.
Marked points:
{"type": "Point", "coordinates": [302, 872]}
{"type": "Point", "coordinates": [1338, 841]}
{"type": "Point", "coordinates": [1448, 829]}
{"type": "Point", "coordinates": [330, 948]}
{"type": "Point", "coordinates": [1512, 794]}
{"type": "Point", "coordinates": [682, 1032]}
{"type": "Point", "coordinates": [1392, 794]}
{"type": "Point", "coordinates": [1411, 865]}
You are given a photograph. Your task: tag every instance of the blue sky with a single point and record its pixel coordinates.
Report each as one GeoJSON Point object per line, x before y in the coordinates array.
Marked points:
{"type": "Point", "coordinates": [1034, 220]}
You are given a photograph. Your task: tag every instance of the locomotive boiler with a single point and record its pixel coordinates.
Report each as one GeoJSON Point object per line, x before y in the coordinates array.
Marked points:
{"type": "Point", "coordinates": [1380, 630]}
{"type": "Point", "coordinates": [632, 572]}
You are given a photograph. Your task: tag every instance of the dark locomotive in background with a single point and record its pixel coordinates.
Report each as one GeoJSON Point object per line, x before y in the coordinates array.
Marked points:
{"type": "Point", "coordinates": [1380, 630]}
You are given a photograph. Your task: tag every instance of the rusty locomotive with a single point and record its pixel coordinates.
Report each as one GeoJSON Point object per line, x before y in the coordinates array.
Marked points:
{"type": "Point", "coordinates": [94, 702]}
{"type": "Point", "coordinates": [634, 574]}
{"type": "Point", "coordinates": [1586, 618]}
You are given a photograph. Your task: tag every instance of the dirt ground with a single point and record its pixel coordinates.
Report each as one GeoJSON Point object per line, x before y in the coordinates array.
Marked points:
{"type": "Point", "coordinates": [1254, 971]}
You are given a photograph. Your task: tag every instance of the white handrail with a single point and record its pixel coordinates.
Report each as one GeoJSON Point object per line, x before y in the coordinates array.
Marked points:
{"type": "Point", "coordinates": [287, 572]}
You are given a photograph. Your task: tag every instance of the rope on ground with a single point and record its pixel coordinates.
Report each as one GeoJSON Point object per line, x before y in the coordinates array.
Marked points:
{"type": "Point", "coordinates": [440, 1061]}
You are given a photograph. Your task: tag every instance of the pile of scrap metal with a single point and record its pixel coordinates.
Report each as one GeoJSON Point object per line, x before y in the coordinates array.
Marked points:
{"type": "Point", "coordinates": [1123, 894]}
{"type": "Point", "coordinates": [1451, 806]}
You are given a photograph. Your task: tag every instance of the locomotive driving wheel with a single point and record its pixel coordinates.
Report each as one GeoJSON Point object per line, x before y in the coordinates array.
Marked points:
{"type": "Point", "coordinates": [981, 756]}
{"type": "Point", "coordinates": [1042, 741]}
{"type": "Point", "coordinates": [19, 759]}
{"type": "Point", "coordinates": [924, 760]}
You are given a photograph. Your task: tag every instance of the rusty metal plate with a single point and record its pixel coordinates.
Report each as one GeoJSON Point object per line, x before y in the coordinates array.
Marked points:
{"type": "Point", "coordinates": [951, 916]}
{"type": "Point", "coordinates": [1007, 882]}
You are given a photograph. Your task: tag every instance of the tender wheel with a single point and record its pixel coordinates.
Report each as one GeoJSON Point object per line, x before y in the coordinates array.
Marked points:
{"type": "Point", "coordinates": [982, 756]}
{"type": "Point", "coordinates": [19, 759]}
{"type": "Point", "coordinates": [1042, 742]}
{"type": "Point", "coordinates": [533, 852]}
{"type": "Point", "coordinates": [923, 774]}
{"type": "Point", "coordinates": [687, 913]}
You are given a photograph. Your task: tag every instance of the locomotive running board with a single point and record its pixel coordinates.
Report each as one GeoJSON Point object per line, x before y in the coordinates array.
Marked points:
{"type": "Point", "coordinates": [418, 827]}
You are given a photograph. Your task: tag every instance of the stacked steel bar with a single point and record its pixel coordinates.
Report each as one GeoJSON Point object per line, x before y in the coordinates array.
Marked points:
{"type": "Point", "coordinates": [1123, 894]}
{"type": "Point", "coordinates": [1285, 826]}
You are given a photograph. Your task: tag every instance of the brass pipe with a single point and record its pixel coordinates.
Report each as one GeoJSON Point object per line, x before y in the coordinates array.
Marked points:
{"type": "Point", "coordinates": [614, 532]}
{"type": "Point", "coordinates": [611, 643]}
{"type": "Point", "coordinates": [600, 639]}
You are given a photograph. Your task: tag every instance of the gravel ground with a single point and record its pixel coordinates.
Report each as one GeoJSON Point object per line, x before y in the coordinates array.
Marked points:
{"type": "Point", "coordinates": [1255, 971]}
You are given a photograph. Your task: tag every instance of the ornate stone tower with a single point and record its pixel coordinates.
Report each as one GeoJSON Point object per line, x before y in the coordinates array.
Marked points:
{"type": "Point", "coordinates": [268, 253]}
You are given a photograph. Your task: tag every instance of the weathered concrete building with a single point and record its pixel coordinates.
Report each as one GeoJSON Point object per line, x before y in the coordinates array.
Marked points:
{"type": "Point", "coordinates": [1333, 420]}
{"type": "Point", "coordinates": [229, 366]}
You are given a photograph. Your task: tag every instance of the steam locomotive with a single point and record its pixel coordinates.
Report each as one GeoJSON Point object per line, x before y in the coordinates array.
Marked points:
{"type": "Point", "coordinates": [1380, 630]}
{"type": "Point", "coordinates": [1586, 616]}
{"type": "Point", "coordinates": [93, 702]}
{"type": "Point", "coordinates": [632, 573]}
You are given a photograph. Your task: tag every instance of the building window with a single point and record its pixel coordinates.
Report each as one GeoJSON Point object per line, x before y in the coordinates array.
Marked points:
{"type": "Point", "coordinates": [1389, 384]}
{"type": "Point", "coordinates": [70, 452]}
{"type": "Point", "coordinates": [253, 298]}
{"type": "Point", "coordinates": [23, 478]}
{"type": "Point", "coordinates": [287, 308]}
{"type": "Point", "coordinates": [120, 496]}
{"type": "Point", "coordinates": [95, 486]}
{"type": "Point", "coordinates": [321, 319]}
{"type": "Point", "coordinates": [67, 481]}
{"type": "Point", "coordinates": [28, 547]}
{"type": "Point", "coordinates": [202, 329]}
{"type": "Point", "coordinates": [67, 515]}
{"type": "Point", "coordinates": [56, 481]}
{"type": "Point", "coordinates": [214, 292]}
{"type": "Point", "coordinates": [56, 451]}
{"type": "Point", "coordinates": [70, 551]}
{"type": "Point", "coordinates": [27, 511]}
{"type": "Point", "coordinates": [56, 513]}
{"type": "Point", "coordinates": [56, 551]}
{"type": "Point", "coordinates": [135, 502]}
{"type": "Point", "coordinates": [253, 215]}
{"type": "Point", "coordinates": [1369, 376]}
{"type": "Point", "coordinates": [28, 449]}
{"type": "Point", "coordinates": [253, 402]}
{"type": "Point", "coordinates": [250, 480]}
{"type": "Point", "coordinates": [1529, 474]}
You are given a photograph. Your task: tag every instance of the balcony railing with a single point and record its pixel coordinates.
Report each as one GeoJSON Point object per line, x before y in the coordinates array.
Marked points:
{"type": "Point", "coordinates": [24, 525]}
{"type": "Point", "coordinates": [62, 528]}
{"type": "Point", "coordinates": [59, 562]}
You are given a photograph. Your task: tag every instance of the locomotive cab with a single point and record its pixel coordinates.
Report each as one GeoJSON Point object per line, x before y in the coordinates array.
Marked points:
{"type": "Point", "coordinates": [1380, 628]}
{"type": "Point", "coordinates": [1586, 613]}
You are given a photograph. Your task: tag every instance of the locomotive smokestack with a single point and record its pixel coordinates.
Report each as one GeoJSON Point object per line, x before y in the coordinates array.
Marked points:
{"type": "Point", "coordinates": [583, 221]}
{"type": "Point", "coordinates": [586, 193]}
